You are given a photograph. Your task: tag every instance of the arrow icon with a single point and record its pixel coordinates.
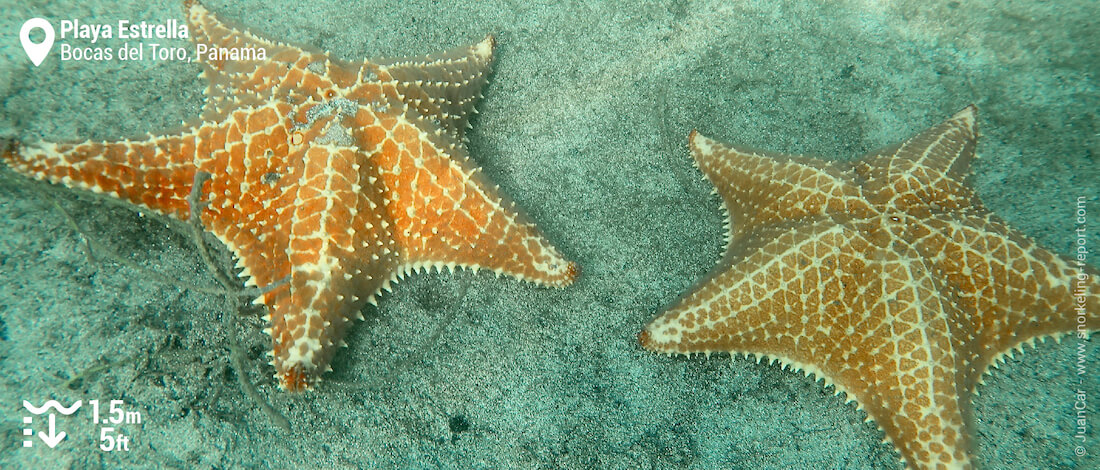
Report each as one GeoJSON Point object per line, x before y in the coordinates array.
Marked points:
{"type": "Point", "coordinates": [52, 439]}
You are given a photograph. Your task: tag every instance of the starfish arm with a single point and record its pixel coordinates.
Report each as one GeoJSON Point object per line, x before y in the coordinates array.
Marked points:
{"type": "Point", "coordinates": [1012, 290]}
{"type": "Point", "coordinates": [254, 176]}
{"type": "Point", "coordinates": [457, 218]}
{"type": "Point", "coordinates": [155, 173]}
{"type": "Point", "coordinates": [335, 249]}
{"type": "Point", "coordinates": [283, 68]}
{"type": "Point", "coordinates": [478, 229]}
{"type": "Point", "coordinates": [443, 87]}
{"type": "Point", "coordinates": [446, 214]}
{"type": "Point", "coordinates": [826, 300]}
{"type": "Point", "coordinates": [305, 224]}
{"type": "Point", "coordinates": [797, 186]}
{"type": "Point", "coordinates": [926, 171]}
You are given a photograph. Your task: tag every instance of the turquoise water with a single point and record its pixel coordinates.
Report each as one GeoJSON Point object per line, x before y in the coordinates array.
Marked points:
{"type": "Point", "coordinates": [584, 125]}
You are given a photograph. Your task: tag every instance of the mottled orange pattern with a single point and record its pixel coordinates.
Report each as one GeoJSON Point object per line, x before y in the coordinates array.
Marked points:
{"type": "Point", "coordinates": [886, 277]}
{"type": "Point", "coordinates": [329, 181]}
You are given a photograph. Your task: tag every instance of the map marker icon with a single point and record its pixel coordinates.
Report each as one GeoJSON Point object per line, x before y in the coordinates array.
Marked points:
{"type": "Point", "coordinates": [37, 52]}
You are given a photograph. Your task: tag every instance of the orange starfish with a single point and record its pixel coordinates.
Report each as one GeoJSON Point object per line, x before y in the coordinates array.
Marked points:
{"type": "Point", "coordinates": [887, 278]}
{"type": "Point", "coordinates": [339, 178]}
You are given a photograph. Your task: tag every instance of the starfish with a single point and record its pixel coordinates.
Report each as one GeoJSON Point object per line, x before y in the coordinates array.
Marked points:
{"type": "Point", "coordinates": [328, 180]}
{"type": "Point", "coordinates": [885, 277]}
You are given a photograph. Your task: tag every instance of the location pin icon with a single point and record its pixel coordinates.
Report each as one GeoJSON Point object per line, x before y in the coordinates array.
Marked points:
{"type": "Point", "coordinates": [37, 52]}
